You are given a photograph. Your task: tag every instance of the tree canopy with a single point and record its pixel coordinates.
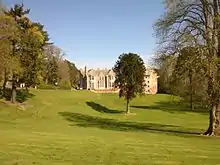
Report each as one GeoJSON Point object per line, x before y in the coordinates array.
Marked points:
{"type": "Point", "coordinates": [130, 76]}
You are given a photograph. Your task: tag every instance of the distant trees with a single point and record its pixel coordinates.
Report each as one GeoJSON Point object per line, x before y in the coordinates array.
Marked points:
{"type": "Point", "coordinates": [179, 76]}
{"type": "Point", "coordinates": [74, 74]}
{"type": "Point", "coordinates": [26, 54]}
{"type": "Point", "coordinates": [52, 56]}
{"type": "Point", "coordinates": [130, 76]}
{"type": "Point", "coordinates": [26, 46]}
{"type": "Point", "coordinates": [189, 31]}
{"type": "Point", "coordinates": [58, 71]}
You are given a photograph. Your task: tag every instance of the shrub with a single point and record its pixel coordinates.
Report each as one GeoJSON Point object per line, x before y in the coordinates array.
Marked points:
{"type": "Point", "coordinates": [47, 86]}
{"type": "Point", "coordinates": [7, 94]}
{"type": "Point", "coordinates": [64, 85]}
{"type": "Point", "coordinates": [22, 96]}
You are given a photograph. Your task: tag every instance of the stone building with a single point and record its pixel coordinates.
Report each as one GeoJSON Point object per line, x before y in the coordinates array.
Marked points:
{"type": "Point", "coordinates": [97, 79]}
{"type": "Point", "coordinates": [102, 80]}
{"type": "Point", "coordinates": [151, 81]}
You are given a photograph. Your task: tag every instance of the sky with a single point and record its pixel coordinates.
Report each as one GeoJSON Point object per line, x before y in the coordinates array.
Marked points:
{"type": "Point", "coordinates": [94, 33]}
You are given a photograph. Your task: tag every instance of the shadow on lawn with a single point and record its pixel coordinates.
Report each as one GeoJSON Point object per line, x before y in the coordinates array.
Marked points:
{"type": "Point", "coordinates": [172, 107]}
{"type": "Point", "coordinates": [83, 120]}
{"type": "Point", "coordinates": [102, 109]}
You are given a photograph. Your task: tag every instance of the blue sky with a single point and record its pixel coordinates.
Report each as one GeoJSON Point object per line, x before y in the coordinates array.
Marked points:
{"type": "Point", "coordinates": [95, 32]}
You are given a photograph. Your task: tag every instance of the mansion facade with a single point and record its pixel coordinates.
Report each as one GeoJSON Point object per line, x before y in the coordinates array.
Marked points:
{"type": "Point", "coordinates": [102, 80]}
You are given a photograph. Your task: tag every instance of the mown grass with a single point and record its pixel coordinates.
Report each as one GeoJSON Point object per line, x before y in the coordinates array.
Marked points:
{"type": "Point", "coordinates": [79, 127]}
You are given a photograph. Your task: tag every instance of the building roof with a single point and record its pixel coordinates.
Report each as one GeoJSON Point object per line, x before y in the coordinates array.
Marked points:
{"type": "Point", "coordinates": [100, 72]}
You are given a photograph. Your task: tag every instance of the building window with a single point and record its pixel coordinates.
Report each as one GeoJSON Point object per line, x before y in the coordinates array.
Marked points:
{"type": "Point", "coordinates": [148, 86]}
{"type": "Point", "coordinates": [148, 82]}
{"type": "Point", "coordinates": [92, 77]}
{"type": "Point", "coordinates": [101, 84]}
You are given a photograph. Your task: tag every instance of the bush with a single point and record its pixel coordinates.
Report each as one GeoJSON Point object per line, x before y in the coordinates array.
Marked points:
{"type": "Point", "coordinates": [47, 86]}
{"type": "Point", "coordinates": [64, 85]}
{"type": "Point", "coordinates": [7, 94]}
{"type": "Point", "coordinates": [22, 95]}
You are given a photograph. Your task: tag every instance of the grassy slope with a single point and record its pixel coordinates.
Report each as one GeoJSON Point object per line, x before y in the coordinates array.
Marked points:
{"type": "Point", "coordinates": [64, 127]}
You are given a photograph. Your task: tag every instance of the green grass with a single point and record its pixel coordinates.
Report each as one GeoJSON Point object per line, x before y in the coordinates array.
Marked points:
{"type": "Point", "coordinates": [79, 127]}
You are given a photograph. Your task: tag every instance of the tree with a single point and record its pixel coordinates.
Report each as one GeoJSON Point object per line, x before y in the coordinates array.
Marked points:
{"type": "Point", "coordinates": [196, 23]}
{"type": "Point", "coordinates": [52, 56]}
{"type": "Point", "coordinates": [25, 46]}
{"type": "Point", "coordinates": [130, 76]}
{"type": "Point", "coordinates": [187, 79]}
{"type": "Point", "coordinates": [165, 65]}
{"type": "Point", "coordinates": [10, 64]}
{"type": "Point", "coordinates": [31, 43]}
{"type": "Point", "coordinates": [74, 74]}
{"type": "Point", "coordinates": [64, 77]}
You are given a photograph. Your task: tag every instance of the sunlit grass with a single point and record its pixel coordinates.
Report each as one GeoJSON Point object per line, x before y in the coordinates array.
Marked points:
{"type": "Point", "coordinates": [79, 127]}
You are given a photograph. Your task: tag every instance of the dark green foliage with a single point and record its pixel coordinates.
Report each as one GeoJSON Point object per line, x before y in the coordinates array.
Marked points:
{"type": "Point", "coordinates": [7, 94]}
{"type": "Point", "coordinates": [23, 95]}
{"type": "Point", "coordinates": [130, 75]}
{"type": "Point", "coordinates": [74, 74]}
{"type": "Point", "coordinates": [17, 10]}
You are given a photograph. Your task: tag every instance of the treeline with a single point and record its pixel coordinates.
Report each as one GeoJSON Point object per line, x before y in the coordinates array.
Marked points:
{"type": "Point", "coordinates": [28, 57]}
{"type": "Point", "coordinates": [180, 74]}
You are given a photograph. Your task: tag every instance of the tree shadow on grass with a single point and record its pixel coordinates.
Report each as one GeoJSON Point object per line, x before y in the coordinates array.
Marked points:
{"type": "Point", "coordinates": [83, 120]}
{"type": "Point", "coordinates": [102, 109]}
{"type": "Point", "coordinates": [171, 108]}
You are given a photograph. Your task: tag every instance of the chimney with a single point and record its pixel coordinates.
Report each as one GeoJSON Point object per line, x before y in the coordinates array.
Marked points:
{"type": "Point", "coordinates": [85, 71]}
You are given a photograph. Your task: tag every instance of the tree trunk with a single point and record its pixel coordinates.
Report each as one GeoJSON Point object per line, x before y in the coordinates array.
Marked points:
{"type": "Point", "coordinates": [217, 121]}
{"type": "Point", "coordinates": [127, 107]}
{"type": "Point", "coordinates": [210, 129]}
{"type": "Point", "coordinates": [191, 90]}
{"type": "Point", "coordinates": [13, 95]}
{"type": "Point", "coordinates": [214, 122]}
{"type": "Point", "coordinates": [13, 91]}
{"type": "Point", "coordinates": [5, 81]}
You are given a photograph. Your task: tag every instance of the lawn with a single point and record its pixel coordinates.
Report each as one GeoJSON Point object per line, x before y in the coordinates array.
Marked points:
{"type": "Point", "coordinates": [80, 128]}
